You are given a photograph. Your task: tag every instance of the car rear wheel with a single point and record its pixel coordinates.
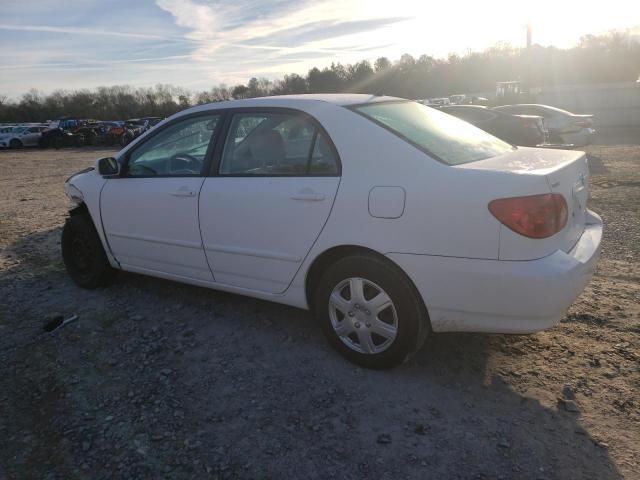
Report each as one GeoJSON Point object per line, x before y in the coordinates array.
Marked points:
{"type": "Point", "coordinates": [15, 143]}
{"type": "Point", "coordinates": [82, 253]}
{"type": "Point", "coordinates": [370, 312]}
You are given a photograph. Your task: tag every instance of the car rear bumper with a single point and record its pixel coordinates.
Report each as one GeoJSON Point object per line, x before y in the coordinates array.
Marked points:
{"type": "Point", "coordinates": [496, 296]}
{"type": "Point", "coordinates": [580, 138]}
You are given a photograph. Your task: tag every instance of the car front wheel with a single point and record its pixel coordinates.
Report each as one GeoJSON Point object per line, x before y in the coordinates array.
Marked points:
{"type": "Point", "coordinates": [370, 312]}
{"type": "Point", "coordinates": [82, 253]}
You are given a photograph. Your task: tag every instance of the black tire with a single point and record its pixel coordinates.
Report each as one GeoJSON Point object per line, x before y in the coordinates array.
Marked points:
{"type": "Point", "coordinates": [83, 255]}
{"type": "Point", "coordinates": [413, 324]}
{"type": "Point", "coordinates": [15, 143]}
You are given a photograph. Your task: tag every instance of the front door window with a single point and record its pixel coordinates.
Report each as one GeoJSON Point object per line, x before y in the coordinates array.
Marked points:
{"type": "Point", "coordinates": [178, 150]}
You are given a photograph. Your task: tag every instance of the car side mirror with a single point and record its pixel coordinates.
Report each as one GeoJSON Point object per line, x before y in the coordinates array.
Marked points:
{"type": "Point", "coordinates": [108, 167]}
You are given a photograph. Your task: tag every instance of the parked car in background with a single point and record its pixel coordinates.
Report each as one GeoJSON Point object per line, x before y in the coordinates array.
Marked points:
{"type": "Point", "coordinates": [458, 99]}
{"type": "Point", "coordinates": [439, 101]}
{"type": "Point", "coordinates": [133, 128]}
{"type": "Point", "coordinates": [522, 130]}
{"type": "Point", "coordinates": [65, 123]}
{"type": "Point", "coordinates": [136, 127]}
{"type": "Point", "coordinates": [57, 138]}
{"type": "Point", "coordinates": [20, 137]}
{"type": "Point", "coordinates": [92, 132]}
{"type": "Point", "coordinates": [151, 122]}
{"type": "Point", "coordinates": [387, 218]}
{"type": "Point", "coordinates": [564, 127]}
{"type": "Point", "coordinates": [114, 130]}
{"type": "Point", "coordinates": [475, 100]}
{"type": "Point", "coordinates": [6, 129]}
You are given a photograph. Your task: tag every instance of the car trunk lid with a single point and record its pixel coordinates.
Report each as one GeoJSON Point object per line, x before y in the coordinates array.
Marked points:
{"type": "Point", "coordinates": [571, 179]}
{"type": "Point", "coordinates": [578, 122]}
{"type": "Point", "coordinates": [565, 172]}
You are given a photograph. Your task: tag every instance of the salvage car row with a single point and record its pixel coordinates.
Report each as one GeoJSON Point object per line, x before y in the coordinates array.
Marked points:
{"type": "Point", "coordinates": [527, 125]}
{"type": "Point", "coordinates": [73, 132]}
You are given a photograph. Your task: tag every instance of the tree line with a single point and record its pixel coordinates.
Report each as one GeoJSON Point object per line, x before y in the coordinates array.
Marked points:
{"type": "Point", "coordinates": [611, 57]}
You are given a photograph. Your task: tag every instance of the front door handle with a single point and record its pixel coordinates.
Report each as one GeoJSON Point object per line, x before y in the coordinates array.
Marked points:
{"type": "Point", "coordinates": [184, 192]}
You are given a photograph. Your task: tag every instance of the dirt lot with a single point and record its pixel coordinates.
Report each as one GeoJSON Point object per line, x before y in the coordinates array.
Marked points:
{"type": "Point", "coordinates": [162, 380]}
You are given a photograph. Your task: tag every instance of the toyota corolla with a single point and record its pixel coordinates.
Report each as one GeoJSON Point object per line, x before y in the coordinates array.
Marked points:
{"type": "Point", "coordinates": [388, 219]}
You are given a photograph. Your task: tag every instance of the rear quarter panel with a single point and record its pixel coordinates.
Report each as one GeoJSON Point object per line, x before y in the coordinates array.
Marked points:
{"type": "Point", "coordinates": [445, 213]}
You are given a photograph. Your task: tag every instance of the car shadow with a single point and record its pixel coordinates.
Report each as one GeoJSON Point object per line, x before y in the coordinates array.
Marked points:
{"type": "Point", "coordinates": [255, 390]}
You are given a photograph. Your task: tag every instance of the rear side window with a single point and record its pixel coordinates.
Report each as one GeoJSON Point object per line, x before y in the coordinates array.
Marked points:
{"type": "Point", "coordinates": [276, 144]}
{"type": "Point", "coordinates": [441, 136]}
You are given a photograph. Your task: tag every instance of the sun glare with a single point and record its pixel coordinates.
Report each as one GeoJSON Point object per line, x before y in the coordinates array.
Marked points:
{"type": "Point", "coordinates": [457, 27]}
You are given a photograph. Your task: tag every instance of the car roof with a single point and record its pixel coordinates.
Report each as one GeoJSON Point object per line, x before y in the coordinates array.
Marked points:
{"type": "Point", "coordinates": [297, 101]}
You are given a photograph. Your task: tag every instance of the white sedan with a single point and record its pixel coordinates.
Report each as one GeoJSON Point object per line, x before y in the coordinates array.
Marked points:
{"type": "Point", "coordinates": [19, 137]}
{"type": "Point", "coordinates": [387, 218]}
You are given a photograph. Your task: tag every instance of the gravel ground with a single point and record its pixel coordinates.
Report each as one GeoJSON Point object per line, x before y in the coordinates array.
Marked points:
{"type": "Point", "coordinates": [161, 380]}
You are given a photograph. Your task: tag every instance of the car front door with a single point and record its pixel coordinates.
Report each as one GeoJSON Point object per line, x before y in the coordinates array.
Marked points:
{"type": "Point", "coordinates": [271, 192]}
{"type": "Point", "coordinates": [150, 213]}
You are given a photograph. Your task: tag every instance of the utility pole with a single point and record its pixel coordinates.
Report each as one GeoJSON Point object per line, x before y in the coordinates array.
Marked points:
{"type": "Point", "coordinates": [528, 68]}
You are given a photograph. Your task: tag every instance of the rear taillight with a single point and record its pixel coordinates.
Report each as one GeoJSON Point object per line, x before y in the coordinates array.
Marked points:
{"type": "Point", "coordinates": [534, 216]}
{"type": "Point", "coordinates": [584, 123]}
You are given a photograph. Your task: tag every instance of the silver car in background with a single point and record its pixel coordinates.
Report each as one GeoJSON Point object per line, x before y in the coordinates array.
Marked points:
{"type": "Point", "coordinates": [564, 127]}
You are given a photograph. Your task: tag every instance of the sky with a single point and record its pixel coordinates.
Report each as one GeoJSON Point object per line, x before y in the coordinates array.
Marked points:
{"type": "Point", "coordinates": [71, 44]}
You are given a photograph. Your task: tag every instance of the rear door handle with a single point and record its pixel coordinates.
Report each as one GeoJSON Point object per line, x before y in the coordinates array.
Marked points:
{"type": "Point", "coordinates": [184, 192]}
{"type": "Point", "coordinates": [308, 196]}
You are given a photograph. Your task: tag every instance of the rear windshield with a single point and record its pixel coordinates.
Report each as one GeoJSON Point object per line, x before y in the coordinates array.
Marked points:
{"type": "Point", "coordinates": [442, 136]}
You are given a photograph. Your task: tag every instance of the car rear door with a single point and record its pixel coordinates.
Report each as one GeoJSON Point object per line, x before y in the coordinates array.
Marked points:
{"type": "Point", "coordinates": [270, 194]}
{"type": "Point", "coordinates": [150, 214]}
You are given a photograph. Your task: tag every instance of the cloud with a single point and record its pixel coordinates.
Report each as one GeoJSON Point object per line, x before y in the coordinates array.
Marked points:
{"type": "Point", "coordinates": [322, 30]}
{"type": "Point", "coordinates": [200, 19]}
{"type": "Point", "coordinates": [94, 63]}
{"type": "Point", "coordinates": [79, 31]}
{"type": "Point", "coordinates": [267, 38]}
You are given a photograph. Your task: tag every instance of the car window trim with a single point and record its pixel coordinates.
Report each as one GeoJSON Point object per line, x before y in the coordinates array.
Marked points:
{"type": "Point", "coordinates": [230, 112]}
{"type": "Point", "coordinates": [312, 148]}
{"type": "Point", "coordinates": [215, 138]}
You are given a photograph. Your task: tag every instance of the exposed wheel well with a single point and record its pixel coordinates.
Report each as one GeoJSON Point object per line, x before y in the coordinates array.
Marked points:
{"type": "Point", "coordinates": [334, 254]}
{"type": "Point", "coordinates": [79, 209]}
{"type": "Point", "coordinates": [82, 209]}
